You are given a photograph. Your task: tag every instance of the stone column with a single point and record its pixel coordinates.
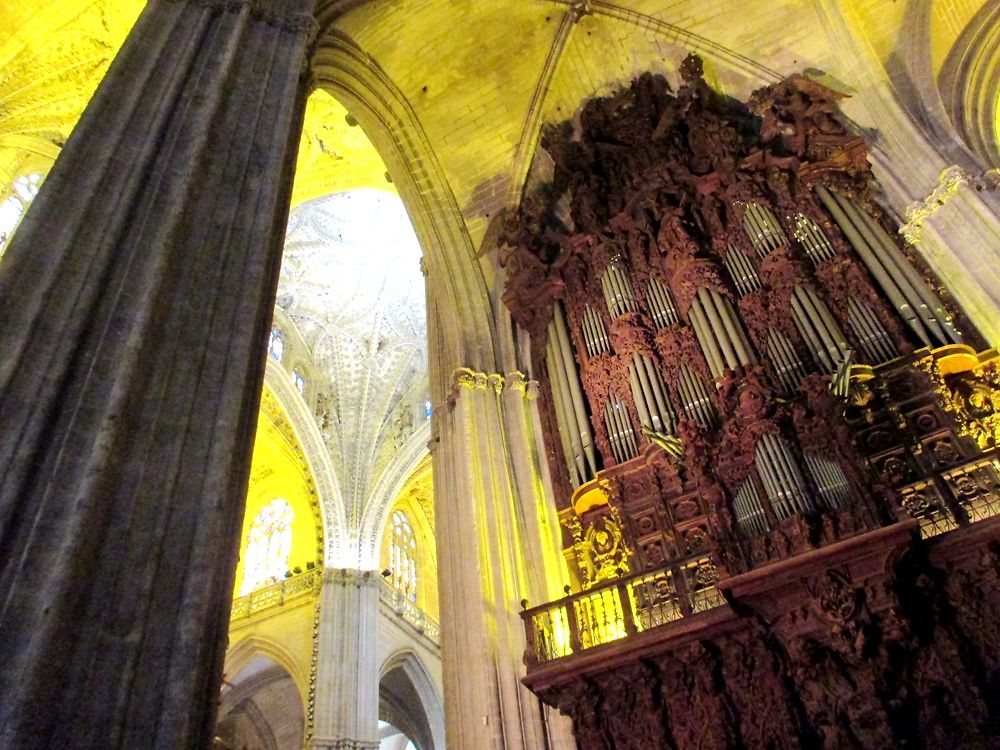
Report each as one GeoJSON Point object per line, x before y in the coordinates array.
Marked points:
{"type": "Point", "coordinates": [136, 300]}
{"type": "Point", "coordinates": [957, 230]}
{"type": "Point", "coordinates": [486, 565]}
{"type": "Point", "coordinates": [347, 678]}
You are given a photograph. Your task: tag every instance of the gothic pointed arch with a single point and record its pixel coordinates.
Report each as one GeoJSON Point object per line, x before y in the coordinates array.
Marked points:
{"type": "Point", "coordinates": [304, 426]}
{"type": "Point", "coordinates": [419, 713]}
{"type": "Point", "coordinates": [390, 483]}
{"type": "Point", "coordinates": [342, 68]}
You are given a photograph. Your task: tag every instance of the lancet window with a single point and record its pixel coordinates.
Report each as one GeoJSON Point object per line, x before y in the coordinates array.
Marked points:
{"type": "Point", "coordinates": [276, 345]}
{"type": "Point", "coordinates": [269, 543]}
{"type": "Point", "coordinates": [403, 556]}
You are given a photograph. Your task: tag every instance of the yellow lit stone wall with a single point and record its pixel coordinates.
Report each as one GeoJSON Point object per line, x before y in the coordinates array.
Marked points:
{"type": "Point", "coordinates": [416, 500]}
{"type": "Point", "coordinates": [54, 53]}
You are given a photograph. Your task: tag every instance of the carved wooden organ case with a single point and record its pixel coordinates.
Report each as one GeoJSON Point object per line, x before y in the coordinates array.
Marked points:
{"type": "Point", "coordinates": [697, 277]}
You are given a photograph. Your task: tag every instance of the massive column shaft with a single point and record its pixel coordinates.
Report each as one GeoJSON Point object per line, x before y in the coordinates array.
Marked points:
{"type": "Point", "coordinates": [490, 556]}
{"type": "Point", "coordinates": [135, 302]}
{"type": "Point", "coordinates": [347, 679]}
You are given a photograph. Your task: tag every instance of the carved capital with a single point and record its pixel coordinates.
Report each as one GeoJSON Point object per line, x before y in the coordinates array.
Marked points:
{"type": "Point", "coordinates": [463, 377]}
{"type": "Point", "coordinates": [494, 381]}
{"type": "Point", "coordinates": [948, 184]}
{"type": "Point", "coordinates": [351, 577]}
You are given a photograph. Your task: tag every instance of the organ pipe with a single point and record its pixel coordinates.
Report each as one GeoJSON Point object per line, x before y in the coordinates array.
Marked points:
{"type": "Point", "coordinates": [569, 435]}
{"type": "Point", "coordinates": [834, 489]}
{"type": "Point", "coordinates": [782, 479]}
{"type": "Point", "coordinates": [695, 398]}
{"type": "Point", "coordinates": [620, 433]}
{"type": "Point", "coordinates": [640, 402]}
{"type": "Point", "coordinates": [709, 345]}
{"type": "Point", "coordinates": [741, 271]}
{"type": "Point", "coordinates": [871, 334]}
{"type": "Point", "coordinates": [661, 305]}
{"type": "Point", "coordinates": [785, 360]}
{"type": "Point", "coordinates": [822, 334]}
{"type": "Point", "coordinates": [938, 320]}
{"type": "Point", "coordinates": [748, 509]}
{"type": "Point", "coordinates": [595, 335]}
{"type": "Point", "coordinates": [886, 272]}
{"type": "Point", "coordinates": [617, 288]}
{"type": "Point", "coordinates": [812, 239]}
{"type": "Point", "coordinates": [762, 227]}
{"type": "Point", "coordinates": [655, 412]}
{"type": "Point", "coordinates": [719, 332]}
{"type": "Point", "coordinates": [581, 436]}
{"type": "Point", "coordinates": [718, 328]}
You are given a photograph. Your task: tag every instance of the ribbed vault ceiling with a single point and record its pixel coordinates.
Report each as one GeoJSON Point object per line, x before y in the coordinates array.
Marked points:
{"type": "Point", "coordinates": [351, 282]}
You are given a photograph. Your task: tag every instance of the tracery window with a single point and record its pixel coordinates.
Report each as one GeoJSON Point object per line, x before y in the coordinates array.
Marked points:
{"type": "Point", "coordinates": [403, 556]}
{"type": "Point", "coordinates": [269, 543]}
{"type": "Point", "coordinates": [12, 209]}
{"type": "Point", "coordinates": [276, 345]}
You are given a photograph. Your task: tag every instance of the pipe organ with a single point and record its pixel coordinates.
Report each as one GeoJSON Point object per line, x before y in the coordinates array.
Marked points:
{"type": "Point", "coordinates": [712, 312]}
{"type": "Point", "coordinates": [744, 363]}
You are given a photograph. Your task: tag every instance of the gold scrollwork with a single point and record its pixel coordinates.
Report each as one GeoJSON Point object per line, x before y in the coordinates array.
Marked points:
{"type": "Point", "coordinates": [600, 548]}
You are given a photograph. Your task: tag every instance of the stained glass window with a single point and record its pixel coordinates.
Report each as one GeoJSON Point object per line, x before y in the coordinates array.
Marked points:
{"type": "Point", "coordinates": [13, 207]}
{"type": "Point", "coordinates": [403, 555]}
{"type": "Point", "coordinates": [269, 544]}
{"type": "Point", "coordinates": [300, 382]}
{"type": "Point", "coordinates": [276, 346]}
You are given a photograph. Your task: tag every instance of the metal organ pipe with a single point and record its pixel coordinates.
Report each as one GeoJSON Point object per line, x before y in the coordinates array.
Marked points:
{"type": "Point", "coordinates": [749, 510]}
{"type": "Point", "coordinates": [812, 238]}
{"type": "Point", "coordinates": [818, 326]}
{"type": "Point", "coordinates": [659, 394]}
{"type": "Point", "coordinates": [741, 271]}
{"type": "Point", "coordinates": [618, 292]}
{"type": "Point", "coordinates": [576, 394]}
{"type": "Point", "coordinates": [698, 402]}
{"type": "Point", "coordinates": [647, 388]}
{"type": "Point", "coordinates": [661, 304]}
{"type": "Point", "coordinates": [709, 345]}
{"type": "Point", "coordinates": [912, 293]}
{"type": "Point", "coordinates": [719, 328]}
{"type": "Point", "coordinates": [589, 335]}
{"type": "Point", "coordinates": [620, 431]}
{"type": "Point", "coordinates": [613, 439]}
{"type": "Point", "coordinates": [940, 320]}
{"type": "Point", "coordinates": [744, 352]}
{"type": "Point", "coordinates": [645, 392]}
{"type": "Point", "coordinates": [728, 331]}
{"type": "Point", "coordinates": [568, 429]}
{"type": "Point", "coordinates": [598, 334]}
{"type": "Point", "coordinates": [640, 402]}
{"type": "Point", "coordinates": [785, 359]}
{"type": "Point", "coordinates": [763, 229]}
{"type": "Point", "coordinates": [784, 475]}
{"type": "Point", "coordinates": [875, 341]}
{"type": "Point", "coordinates": [768, 476]}
{"type": "Point", "coordinates": [834, 489]}
{"type": "Point", "coordinates": [871, 260]}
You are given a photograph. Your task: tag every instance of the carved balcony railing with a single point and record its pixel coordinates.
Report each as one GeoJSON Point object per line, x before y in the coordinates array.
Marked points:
{"type": "Point", "coordinates": [409, 612]}
{"type": "Point", "coordinates": [960, 496]}
{"type": "Point", "coordinates": [620, 608]}
{"type": "Point", "coordinates": [296, 587]}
